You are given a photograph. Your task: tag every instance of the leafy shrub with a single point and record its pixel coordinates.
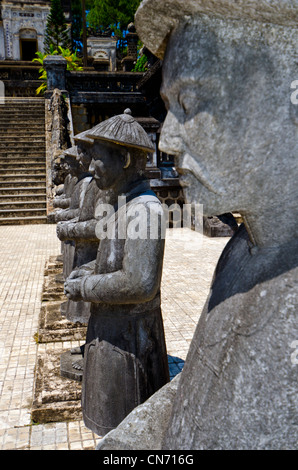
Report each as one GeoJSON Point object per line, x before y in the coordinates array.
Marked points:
{"type": "Point", "coordinates": [73, 63]}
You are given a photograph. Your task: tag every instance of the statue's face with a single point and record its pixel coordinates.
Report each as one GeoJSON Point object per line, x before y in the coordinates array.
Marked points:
{"type": "Point", "coordinates": [72, 166]}
{"type": "Point", "coordinates": [221, 124]}
{"type": "Point", "coordinates": [83, 155]}
{"type": "Point", "coordinates": [106, 165]}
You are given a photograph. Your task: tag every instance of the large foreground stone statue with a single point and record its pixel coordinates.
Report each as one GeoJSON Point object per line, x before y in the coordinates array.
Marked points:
{"type": "Point", "coordinates": [125, 358]}
{"type": "Point", "coordinates": [227, 73]}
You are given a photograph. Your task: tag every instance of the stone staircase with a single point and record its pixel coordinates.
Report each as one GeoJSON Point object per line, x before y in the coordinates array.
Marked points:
{"type": "Point", "coordinates": [22, 161]}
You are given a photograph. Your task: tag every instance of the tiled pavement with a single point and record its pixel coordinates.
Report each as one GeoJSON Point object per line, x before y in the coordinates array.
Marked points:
{"type": "Point", "coordinates": [188, 267]}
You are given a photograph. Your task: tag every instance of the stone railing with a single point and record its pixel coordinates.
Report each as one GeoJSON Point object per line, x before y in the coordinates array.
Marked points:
{"type": "Point", "coordinates": [102, 81]}
{"type": "Point", "coordinates": [20, 79]}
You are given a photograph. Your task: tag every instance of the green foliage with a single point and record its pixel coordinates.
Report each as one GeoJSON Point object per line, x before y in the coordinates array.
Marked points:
{"type": "Point", "coordinates": [56, 33]}
{"type": "Point", "coordinates": [73, 63]}
{"type": "Point", "coordinates": [113, 14]}
{"type": "Point", "coordinates": [141, 64]}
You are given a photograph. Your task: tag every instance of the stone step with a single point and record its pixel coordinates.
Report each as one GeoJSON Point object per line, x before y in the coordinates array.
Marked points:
{"type": "Point", "coordinates": [21, 126]}
{"type": "Point", "coordinates": [22, 155]}
{"type": "Point", "coordinates": [26, 177]}
{"type": "Point", "coordinates": [23, 220]}
{"type": "Point", "coordinates": [25, 123]}
{"type": "Point", "coordinates": [23, 119]}
{"type": "Point", "coordinates": [19, 146]}
{"type": "Point", "coordinates": [22, 183]}
{"type": "Point", "coordinates": [9, 140]}
{"type": "Point", "coordinates": [17, 108]}
{"type": "Point", "coordinates": [5, 213]}
{"type": "Point", "coordinates": [13, 133]}
{"type": "Point", "coordinates": [28, 170]}
{"type": "Point", "coordinates": [26, 112]}
{"type": "Point", "coordinates": [23, 191]}
{"type": "Point", "coordinates": [23, 198]}
{"type": "Point", "coordinates": [10, 205]}
{"type": "Point", "coordinates": [35, 155]}
{"type": "Point", "coordinates": [22, 165]}
{"type": "Point", "coordinates": [22, 162]}
{"type": "Point", "coordinates": [24, 100]}
{"type": "Point", "coordinates": [18, 105]}
{"type": "Point", "coordinates": [21, 138]}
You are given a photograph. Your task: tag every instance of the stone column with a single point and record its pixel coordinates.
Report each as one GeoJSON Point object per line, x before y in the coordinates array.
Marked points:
{"type": "Point", "coordinates": [132, 48]}
{"type": "Point", "coordinates": [55, 66]}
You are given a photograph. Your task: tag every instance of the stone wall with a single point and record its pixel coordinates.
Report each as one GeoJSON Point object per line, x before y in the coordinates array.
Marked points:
{"type": "Point", "coordinates": [59, 135]}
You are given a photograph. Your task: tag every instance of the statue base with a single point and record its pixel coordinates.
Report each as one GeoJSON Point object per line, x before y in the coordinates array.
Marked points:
{"type": "Point", "coordinates": [66, 366]}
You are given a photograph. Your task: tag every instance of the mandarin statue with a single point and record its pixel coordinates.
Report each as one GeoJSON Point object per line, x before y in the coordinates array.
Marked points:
{"type": "Point", "coordinates": [227, 73]}
{"type": "Point", "coordinates": [79, 233]}
{"type": "Point", "coordinates": [125, 359]}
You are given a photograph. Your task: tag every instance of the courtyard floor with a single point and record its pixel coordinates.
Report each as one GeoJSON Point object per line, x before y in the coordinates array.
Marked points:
{"type": "Point", "coordinates": [189, 263]}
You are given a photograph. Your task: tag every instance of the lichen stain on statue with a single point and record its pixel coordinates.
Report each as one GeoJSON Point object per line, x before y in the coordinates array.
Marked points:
{"type": "Point", "coordinates": [227, 74]}
{"type": "Point", "coordinates": [125, 346]}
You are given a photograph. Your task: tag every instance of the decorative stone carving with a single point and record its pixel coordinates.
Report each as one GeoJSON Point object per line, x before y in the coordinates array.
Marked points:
{"type": "Point", "coordinates": [103, 49]}
{"type": "Point", "coordinates": [16, 20]}
{"type": "Point", "coordinates": [125, 346]}
{"type": "Point", "coordinates": [227, 71]}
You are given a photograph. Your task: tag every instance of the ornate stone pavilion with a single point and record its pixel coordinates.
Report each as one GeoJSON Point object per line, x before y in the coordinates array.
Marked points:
{"type": "Point", "coordinates": [22, 27]}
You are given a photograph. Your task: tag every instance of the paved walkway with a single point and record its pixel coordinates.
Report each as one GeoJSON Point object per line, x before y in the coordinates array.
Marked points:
{"type": "Point", "coordinates": [188, 267]}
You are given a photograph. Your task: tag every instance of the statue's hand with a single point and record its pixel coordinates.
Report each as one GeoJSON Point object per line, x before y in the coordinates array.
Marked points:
{"type": "Point", "coordinates": [61, 230]}
{"type": "Point", "coordinates": [77, 273]}
{"type": "Point", "coordinates": [72, 289]}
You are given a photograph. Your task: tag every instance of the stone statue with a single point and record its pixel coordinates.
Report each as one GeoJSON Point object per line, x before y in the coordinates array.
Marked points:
{"type": "Point", "coordinates": [65, 183]}
{"type": "Point", "coordinates": [125, 358]}
{"type": "Point", "coordinates": [227, 73]}
{"type": "Point", "coordinates": [78, 169]}
{"type": "Point", "coordinates": [80, 232]}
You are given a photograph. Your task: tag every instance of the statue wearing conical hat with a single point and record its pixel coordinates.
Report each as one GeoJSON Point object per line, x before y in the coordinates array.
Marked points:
{"type": "Point", "coordinates": [125, 358]}
{"type": "Point", "coordinates": [229, 68]}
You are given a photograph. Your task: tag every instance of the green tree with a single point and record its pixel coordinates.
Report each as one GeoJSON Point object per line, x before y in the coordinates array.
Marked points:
{"type": "Point", "coordinates": [113, 14]}
{"type": "Point", "coordinates": [76, 24]}
{"type": "Point", "coordinates": [56, 33]}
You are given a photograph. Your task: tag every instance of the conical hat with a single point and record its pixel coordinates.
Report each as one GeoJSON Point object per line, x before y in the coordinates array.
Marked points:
{"type": "Point", "coordinates": [155, 19]}
{"type": "Point", "coordinates": [71, 152]}
{"type": "Point", "coordinates": [122, 129]}
{"type": "Point", "coordinates": [82, 137]}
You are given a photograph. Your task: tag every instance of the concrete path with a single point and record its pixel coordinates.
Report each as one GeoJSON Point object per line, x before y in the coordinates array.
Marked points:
{"type": "Point", "coordinates": [189, 263]}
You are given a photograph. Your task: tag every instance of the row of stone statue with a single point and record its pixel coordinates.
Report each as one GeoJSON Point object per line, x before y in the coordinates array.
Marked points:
{"type": "Point", "coordinates": [113, 283]}
{"type": "Point", "coordinates": [229, 69]}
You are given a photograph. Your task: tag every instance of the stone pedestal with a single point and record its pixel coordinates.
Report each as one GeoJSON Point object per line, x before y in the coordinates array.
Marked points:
{"type": "Point", "coordinates": [55, 67]}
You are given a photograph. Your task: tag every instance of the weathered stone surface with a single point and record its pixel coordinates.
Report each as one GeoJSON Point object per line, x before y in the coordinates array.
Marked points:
{"type": "Point", "coordinates": [143, 428]}
{"type": "Point", "coordinates": [238, 380]}
{"type": "Point", "coordinates": [55, 398]}
{"type": "Point", "coordinates": [53, 327]}
{"type": "Point", "coordinates": [58, 128]}
{"type": "Point", "coordinates": [125, 345]}
{"type": "Point", "coordinates": [154, 20]}
{"type": "Point", "coordinates": [223, 226]}
{"type": "Point", "coordinates": [235, 146]}
{"type": "Point", "coordinates": [66, 366]}
{"type": "Point", "coordinates": [53, 288]}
